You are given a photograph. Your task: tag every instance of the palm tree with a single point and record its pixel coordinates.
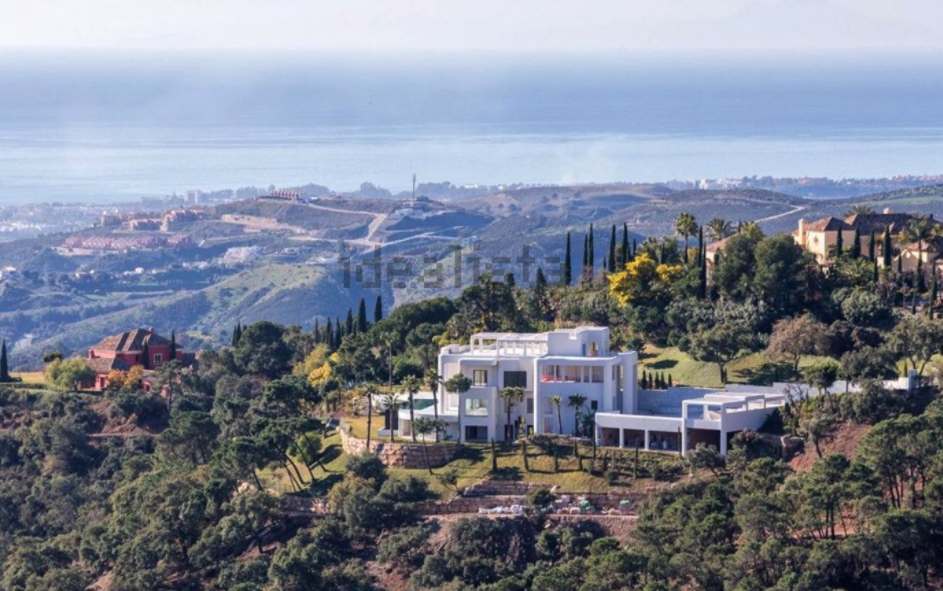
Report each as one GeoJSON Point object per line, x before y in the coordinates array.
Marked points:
{"type": "Point", "coordinates": [391, 402]}
{"type": "Point", "coordinates": [370, 390]}
{"type": "Point", "coordinates": [752, 231]}
{"type": "Point", "coordinates": [458, 384]}
{"type": "Point", "coordinates": [861, 209]}
{"type": "Point", "coordinates": [557, 401]}
{"type": "Point", "coordinates": [434, 380]}
{"type": "Point", "coordinates": [920, 229]}
{"type": "Point", "coordinates": [686, 226]}
{"type": "Point", "coordinates": [424, 426]}
{"type": "Point", "coordinates": [576, 402]}
{"type": "Point", "coordinates": [511, 395]}
{"type": "Point", "coordinates": [412, 385]}
{"type": "Point", "coordinates": [719, 228]}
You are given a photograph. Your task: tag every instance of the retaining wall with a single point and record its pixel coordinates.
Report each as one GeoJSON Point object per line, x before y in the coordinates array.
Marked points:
{"type": "Point", "coordinates": [400, 455]}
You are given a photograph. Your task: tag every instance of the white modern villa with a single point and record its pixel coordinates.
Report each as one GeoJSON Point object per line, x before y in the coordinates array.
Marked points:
{"type": "Point", "coordinates": [565, 362]}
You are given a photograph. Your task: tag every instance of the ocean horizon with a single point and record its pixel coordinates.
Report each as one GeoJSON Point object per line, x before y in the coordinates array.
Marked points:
{"type": "Point", "coordinates": [99, 130]}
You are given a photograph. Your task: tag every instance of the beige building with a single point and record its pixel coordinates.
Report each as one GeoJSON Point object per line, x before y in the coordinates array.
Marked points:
{"type": "Point", "coordinates": [821, 237]}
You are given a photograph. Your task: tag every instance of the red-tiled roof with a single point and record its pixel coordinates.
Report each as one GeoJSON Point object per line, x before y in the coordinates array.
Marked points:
{"type": "Point", "coordinates": [132, 340]}
{"type": "Point", "coordinates": [877, 222]}
{"type": "Point", "coordinates": [828, 225]}
{"type": "Point", "coordinates": [103, 365]}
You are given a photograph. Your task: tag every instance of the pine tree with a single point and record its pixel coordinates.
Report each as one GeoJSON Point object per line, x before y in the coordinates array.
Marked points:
{"type": "Point", "coordinates": [886, 248]}
{"type": "Point", "coordinates": [378, 310]}
{"type": "Point", "coordinates": [567, 264]}
{"type": "Point", "coordinates": [173, 345]}
{"type": "Point", "coordinates": [611, 262]}
{"type": "Point", "coordinates": [4, 364]}
{"type": "Point", "coordinates": [871, 247]}
{"type": "Point", "coordinates": [856, 247]}
{"type": "Point", "coordinates": [625, 246]}
{"type": "Point", "coordinates": [362, 324]}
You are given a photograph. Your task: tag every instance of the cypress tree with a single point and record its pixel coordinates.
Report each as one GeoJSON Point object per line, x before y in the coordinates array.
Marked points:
{"type": "Point", "coordinates": [316, 332]}
{"type": "Point", "coordinates": [146, 354]}
{"type": "Point", "coordinates": [856, 247]}
{"type": "Point", "coordinates": [236, 334]}
{"type": "Point", "coordinates": [338, 333]}
{"type": "Point", "coordinates": [634, 249]}
{"type": "Point", "coordinates": [349, 322]}
{"type": "Point", "coordinates": [871, 247]}
{"type": "Point", "coordinates": [900, 264]}
{"type": "Point", "coordinates": [509, 279]}
{"type": "Point", "coordinates": [920, 280]}
{"type": "Point", "coordinates": [590, 257]}
{"type": "Point", "coordinates": [839, 243]}
{"type": "Point", "coordinates": [611, 263]}
{"type": "Point", "coordinates": [886, 248]}
{"type": "Point", "coordinates": [670, 383]}
{"type": "Point", "coordinates": [625, 246]}
{"type": "Point", "coordinates": [328, 338]}
{"type": "Point", "coordinates": [664, 384]}
{"type": "Point", "coordinates": [378, 310]}
{"type": "Point", "coordinates": [585, 255]}
{"type": "Point", "coordinates": [874, 272]}
{"type": "Point", "coordinates": [567, 264]}
{"type": "Point", "coordinates": [362, 324]}
{"type": "Point", "coordinates": [173, 345]}
{"type": "Point", "coordinates": [933, 294]}
{"type": "Point", "coordinates": [4, 364]}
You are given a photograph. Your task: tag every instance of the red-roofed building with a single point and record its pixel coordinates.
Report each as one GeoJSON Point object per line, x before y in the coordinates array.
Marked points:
{"type": "Point", "coordinates": [122, 351]}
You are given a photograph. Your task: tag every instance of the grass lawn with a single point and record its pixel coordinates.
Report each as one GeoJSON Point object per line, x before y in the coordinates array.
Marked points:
{"type": "Point", "coordinates": [30, 377]}
{"type": "Point", "coordinates": [751, 369]}
{"type": "Point", "coordinates": [474, 464]}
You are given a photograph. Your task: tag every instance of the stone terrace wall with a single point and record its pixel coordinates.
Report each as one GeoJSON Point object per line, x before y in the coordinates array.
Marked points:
{"type": "Point", "coordinates": [400, 455]}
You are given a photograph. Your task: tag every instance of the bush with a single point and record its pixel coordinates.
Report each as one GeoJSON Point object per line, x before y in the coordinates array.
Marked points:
{"type": "Point", "coordinates": [539, 498]}
{"type": "Point", "coordinates": [404, 548]}
{"type": "Point", "coordinates": [872, 404]}
{"type": "Point", "coordinates": [368, 467]}
{"type": "Point", "coordinates": [405, 490]}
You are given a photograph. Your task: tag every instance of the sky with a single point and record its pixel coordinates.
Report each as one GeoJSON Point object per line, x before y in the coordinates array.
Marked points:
{"type": "Point", "coordinates": [415, 26]}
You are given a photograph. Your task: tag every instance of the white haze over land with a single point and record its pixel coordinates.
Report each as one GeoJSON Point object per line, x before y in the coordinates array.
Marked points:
{"type": "Point", "coordinates": [535, 26]}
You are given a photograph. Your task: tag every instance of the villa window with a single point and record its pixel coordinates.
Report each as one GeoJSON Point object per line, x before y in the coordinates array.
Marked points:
{"type": "Point", "coordinates": [593, 405]}
{"type": "Point", "coordinates": [530, 406]}
{"type": "Point", "coordinates": [158, 359]}
{"type": "Point", "coordinates": [476, 407]}
{"type": "Point", "coordinates": [480, 377]}
{"type": "Point", "coordinates": [515, 379]}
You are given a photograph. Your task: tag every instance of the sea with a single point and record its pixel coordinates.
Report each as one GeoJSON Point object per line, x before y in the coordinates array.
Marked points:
{"type": "Point", "coordinates": [105, 127]}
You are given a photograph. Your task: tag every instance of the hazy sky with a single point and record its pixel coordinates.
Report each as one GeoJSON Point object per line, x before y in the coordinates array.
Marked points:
{"type": "Point", "coordinates": [473, 26]}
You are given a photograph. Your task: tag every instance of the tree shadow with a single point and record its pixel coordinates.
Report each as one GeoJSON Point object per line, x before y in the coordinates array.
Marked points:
{"type": "Point", "coordinates": [322, 486]}
{"type": "Point", "coordinates": [663, 364]}
{"type": "Point", "coordinates": [472, 454]}
{"type": "Point", "coordinates": [330, 453]}
{"type": "Point", "coordinates": [766, 374]}
{"type": "Point", "coordinates": [508, 473]}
